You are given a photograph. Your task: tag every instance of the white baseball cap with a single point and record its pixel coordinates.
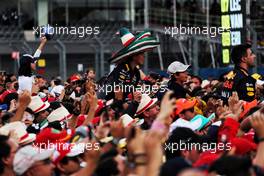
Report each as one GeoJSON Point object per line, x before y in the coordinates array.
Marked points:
{"type": "Point", "coordinates": [177, 66]}
{"type": "Point", "coordinates": [26, 156]}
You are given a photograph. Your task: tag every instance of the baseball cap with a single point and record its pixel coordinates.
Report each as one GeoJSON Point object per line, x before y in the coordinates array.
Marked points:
{"type": "Point", "coordinates": [184, 104]}
{"type": "Point", "coordinates": [177, 66]}
{"type": "Point", "coordinates": [27, 156]}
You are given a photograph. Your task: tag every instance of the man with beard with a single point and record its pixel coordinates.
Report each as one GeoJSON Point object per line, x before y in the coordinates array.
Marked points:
{"type": "Point", "coordinates": [239, 79]}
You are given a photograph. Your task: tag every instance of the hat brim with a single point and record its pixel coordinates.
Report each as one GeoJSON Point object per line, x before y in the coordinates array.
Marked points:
{"type": "Point", "coordinates": [31, 137]}
{"type": "Point", "coordinates": [187, 124]}
{"type": "Point", "coordinates": [76, 150]}
{"type": "Point", "coordinates": [59, 114]}
{"type": "Point", "coordinates": [46, 105]}
{"type": "Point", "coordinates": [44, 153]}
{"type": "Point", "coordinates": [203, 121]}
{"type": "Point", "coordinates": [140, 122]}
{"type": "Point", "coordinates": [147, 107]}
{"type": "Point", "coordinates": [189, 104]}
{"type": "Point", "coordinates": [247, 107]}
{"type": "Point", "coordinates": [137, 46]}
{"type": "Point", "coordinates": [178, 71]}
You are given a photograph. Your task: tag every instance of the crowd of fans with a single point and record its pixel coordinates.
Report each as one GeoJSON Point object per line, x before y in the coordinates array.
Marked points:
{"type": "Point", "coordinates": [180, 125]}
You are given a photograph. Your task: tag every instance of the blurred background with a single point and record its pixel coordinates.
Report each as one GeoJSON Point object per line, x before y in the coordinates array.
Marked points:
{"type": "Point", "coordinates": [66, 54]}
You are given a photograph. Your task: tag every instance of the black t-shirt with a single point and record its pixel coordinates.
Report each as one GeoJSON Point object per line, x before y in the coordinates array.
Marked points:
{"type": "Point", "coordinates": [25, 65]}
{"type": "Point", "coordinates": [179, 90]}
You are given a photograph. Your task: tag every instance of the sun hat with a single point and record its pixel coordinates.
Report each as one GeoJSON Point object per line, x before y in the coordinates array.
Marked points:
{"type": "Point", "coordinates": [19, 129]}
{"type": "Point", "coordinates": [26, 156]}
{"type": "Point", "coordinates": [59, 114]}
{"type": "Point", "coordinates": [145, 103]}
{"type": "Point", "coordinates": [37, 105]}
{"type": "Point", "coordinates": [133, 44]}
{"type": "Point", "coordinates": [128, 120]}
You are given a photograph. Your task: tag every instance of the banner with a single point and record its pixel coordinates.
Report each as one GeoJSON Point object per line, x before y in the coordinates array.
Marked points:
{"type": "Point", "coordinates": [233, 20]}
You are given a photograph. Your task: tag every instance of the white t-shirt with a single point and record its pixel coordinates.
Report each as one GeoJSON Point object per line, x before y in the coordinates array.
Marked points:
{"type": "Point", "coordinates": [56, 90]}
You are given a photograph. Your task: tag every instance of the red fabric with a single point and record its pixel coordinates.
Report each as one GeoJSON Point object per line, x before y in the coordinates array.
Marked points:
{"type": "Point", "coordinates": [249, 135]}
{"type": "Point", "coordinates": [51, 99]}
{"type": "Point", "coordinates": [80, 120]}
{"type": "Point", "coordinates": [5, 93]}
{"type": "Point", "coordinates": [49, 135]}
{"type": "Point", "coordinates": [74, 78]}
{"type": "Point", "coordinates": [130, 96]}
{"type": "Point", "coordinates": [206, 159]}
{"type": "Point", "coordinates": [62, 149]}
{"type": "Point", "coordinates": [229, 129]}
{"type": "Point", "coordinates": [243, 146]}
{"type": "Point", "coordinates": [146, 78]}
{"type": "Point", "coordinates": [96, 120]}
{"type": "Point", "coordinates": [100, 106]}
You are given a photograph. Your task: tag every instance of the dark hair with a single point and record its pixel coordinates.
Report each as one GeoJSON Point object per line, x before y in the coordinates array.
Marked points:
{"type": "Point", "coordinates": [154, 75]}
{"type": "Point", "coordinates": [4, 152]}
{"type": "Point", "coordinates": [6, 117]}
{"type": "Point", "coordinates": [90, 69]}
{"type": "Point", "coordinates": [39, 76]}
{"type": "Point", "coordinates": [107, 165]}
{"type": "Point", "coordinates": [56, 125]}
{"type": "Point", "coordinates": [42, 88]}
{"type": "Point", "coordinates": [9, 97]}
{"type": "Point", "coordinates": [66, 159]}
{"type": "Point", "coordinates": [197, 77]}
{"type": "Point", "coordinates": [29, 110]}
{"type": "Point", "coordinates": [57, 82]}
{"type": "Point", "coordinates": [180, 134]}
{"type": "Point", "coordinates": [238, 52]}
{"type": "Point", "coordinates": [232, 166]}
